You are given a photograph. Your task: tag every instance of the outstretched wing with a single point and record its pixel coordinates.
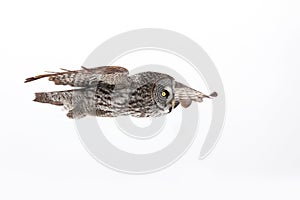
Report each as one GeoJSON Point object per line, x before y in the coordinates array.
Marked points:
{"type": "Point", "coordinates": [86, 76]}
{"type": "Point", "coordinates": [185, 95]}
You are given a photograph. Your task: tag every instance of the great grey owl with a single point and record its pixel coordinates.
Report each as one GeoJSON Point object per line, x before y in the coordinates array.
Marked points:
{"type": "Point", "coordinates": [110, 91]}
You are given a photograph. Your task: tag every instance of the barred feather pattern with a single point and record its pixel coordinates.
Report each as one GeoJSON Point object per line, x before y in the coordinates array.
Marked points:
{"type": "Point", "coordinates": [109, 92]}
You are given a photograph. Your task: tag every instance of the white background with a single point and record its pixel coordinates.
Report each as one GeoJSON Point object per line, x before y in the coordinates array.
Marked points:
{"type": "Point", "coordinates": [255, 46]}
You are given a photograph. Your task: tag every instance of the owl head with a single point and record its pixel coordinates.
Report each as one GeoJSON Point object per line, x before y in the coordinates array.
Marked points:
{"type": "Point", "coordinates": [163, 94]}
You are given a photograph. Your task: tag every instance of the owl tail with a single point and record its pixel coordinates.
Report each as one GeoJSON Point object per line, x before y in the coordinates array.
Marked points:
{"type": "Point", "coordinates": [63, 98]}
{"type": "Point", "coordinates": [58, 98]}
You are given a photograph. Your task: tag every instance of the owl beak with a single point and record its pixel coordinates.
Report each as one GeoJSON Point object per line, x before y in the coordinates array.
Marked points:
{"type": "Point", "coordinates": [173, 103]}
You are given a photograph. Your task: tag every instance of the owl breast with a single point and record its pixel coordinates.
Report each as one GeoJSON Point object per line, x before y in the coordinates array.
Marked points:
{"type": "Point", "coordinates": [114, 100]}
{"type": "Point", "coordinates": [141, 102]}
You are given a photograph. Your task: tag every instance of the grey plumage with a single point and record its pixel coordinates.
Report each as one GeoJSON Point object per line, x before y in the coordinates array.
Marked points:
{"type": "Point", "coordinates": [109, 91]}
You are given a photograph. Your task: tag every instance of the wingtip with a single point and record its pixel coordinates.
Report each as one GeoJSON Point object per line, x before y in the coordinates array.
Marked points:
{"type": "Point", "coordinates": [214, 94]}
{"type": "Point", "coordinates": [37, 77]}
{"type": "Point", "coordinates": [29, 79]}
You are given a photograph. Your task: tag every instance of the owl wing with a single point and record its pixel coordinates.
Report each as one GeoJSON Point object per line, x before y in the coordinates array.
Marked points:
{"type": "Point", "coordinates": [185, 95]}
{"type": "Point", "coordinates": [85, 76]}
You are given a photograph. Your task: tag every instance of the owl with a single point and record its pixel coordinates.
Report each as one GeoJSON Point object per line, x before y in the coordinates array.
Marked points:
{"type": "Point", "coordinates": [109, 91]}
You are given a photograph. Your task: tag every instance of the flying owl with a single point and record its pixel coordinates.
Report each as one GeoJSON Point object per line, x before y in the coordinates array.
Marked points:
{"type": "Point", "coordinates": [109, 91]}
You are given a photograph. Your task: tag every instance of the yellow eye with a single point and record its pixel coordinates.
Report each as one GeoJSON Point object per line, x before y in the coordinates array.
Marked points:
{"type": "Point", "coordinates": [163, 94]}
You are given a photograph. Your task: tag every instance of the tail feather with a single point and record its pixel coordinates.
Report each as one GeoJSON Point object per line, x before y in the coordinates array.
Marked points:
{"type": "Point", "coordinates": [58, 98]}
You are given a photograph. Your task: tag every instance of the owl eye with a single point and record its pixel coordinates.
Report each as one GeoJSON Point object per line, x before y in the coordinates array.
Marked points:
{"type": "Point", "coordinates": [165, 93]}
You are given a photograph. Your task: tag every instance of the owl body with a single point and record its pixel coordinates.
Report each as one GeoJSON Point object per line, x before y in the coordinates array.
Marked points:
{"type": "Point", "coordinates": [133, 96]}
{"type": "Point", "coordinates": [109, 91]}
